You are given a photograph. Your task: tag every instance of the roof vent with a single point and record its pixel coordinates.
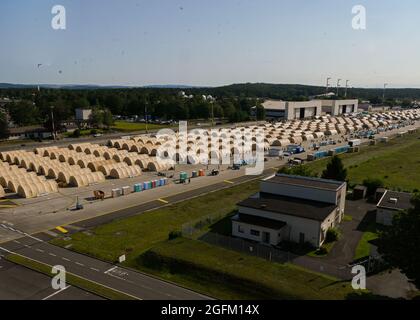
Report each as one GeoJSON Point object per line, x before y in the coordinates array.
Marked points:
{"type": "Point", "coordinates": [393, 200]}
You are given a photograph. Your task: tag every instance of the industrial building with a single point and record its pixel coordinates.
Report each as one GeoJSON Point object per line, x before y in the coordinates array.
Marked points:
{"type": "Point", "coordinates": [339, 107]}
{"type": "Point", "coordinates": [83, 114]}
{"type": "Point", "coordinates": [291, 208]}
{"type": "Point", "coordinates": [297, 110]}
{"type": "Point", "coordinates": [390, 204]}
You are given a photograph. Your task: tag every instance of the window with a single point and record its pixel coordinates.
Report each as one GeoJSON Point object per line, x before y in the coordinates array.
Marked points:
{"type": "Point", "coordinates": [255, 233]}
{"type": "Point", "coordinates": [240, 229]}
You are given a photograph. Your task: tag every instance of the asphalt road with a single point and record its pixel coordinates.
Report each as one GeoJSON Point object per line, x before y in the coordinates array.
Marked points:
{"type": "Point", "coordinates": [20, 283]}
{"type": "Point", "coordinates": [127, 281]}
{"type": "Point", "coordinates": [132, 283]}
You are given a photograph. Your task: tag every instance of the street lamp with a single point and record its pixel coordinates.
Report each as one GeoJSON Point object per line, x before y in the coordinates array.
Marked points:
{"type": "Point", "coordinates": [328, 85]}
{"type": "Point", "coordinates": [52, 121]}
{"type": "Point", "coordinates": [347, 85]}
{"type": "Point", "coordinates": [338, 85]}
{"type": "Point", "coordinates": [383, 95]}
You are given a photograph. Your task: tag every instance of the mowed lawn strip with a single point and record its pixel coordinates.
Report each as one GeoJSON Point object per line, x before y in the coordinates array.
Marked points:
{"type": "Point", "coordinates": [134, 235]}
{"type": "Point", "coordinates": [227, 274]}
{"type": "Point", "coordinates": [126, 126]}
{"type": "Point", "coordinates": [396, 163]}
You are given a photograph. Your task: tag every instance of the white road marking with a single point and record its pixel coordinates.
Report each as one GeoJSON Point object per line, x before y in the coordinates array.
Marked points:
{"type": "Point", "coordinates": [52, 254]}
{"type": "Point", "coordinates": [80, 264]}
{"type": "Point", "coordinates": [16, 241]}
{"type": "Point", "coordinates": [65, 259]}
{"type": "Point", "coordinates": [57, 292]}
{"type": "Point", "coordinates": [5, 250]}
{"type": "Point", "coordinates": [113, 268]}
{"type": "Point", "coordinates": [40, 250]}
{"type": "Point", "coordinates": [94, 269]}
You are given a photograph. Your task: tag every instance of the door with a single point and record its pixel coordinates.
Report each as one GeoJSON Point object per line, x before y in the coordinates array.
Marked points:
{"type": "Point", "coordinates": [301, 238]}
{"type": "Point", "coordinates": [266, 237]}
{"type": "Point", "coordinates": [302, 113]}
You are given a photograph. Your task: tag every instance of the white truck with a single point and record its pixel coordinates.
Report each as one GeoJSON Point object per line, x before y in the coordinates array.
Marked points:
{"type": "Point", "coordinates": [355, 142]}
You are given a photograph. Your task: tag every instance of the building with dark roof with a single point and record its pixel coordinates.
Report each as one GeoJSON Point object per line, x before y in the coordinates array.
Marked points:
{"type": "Point", "coordinates": [291, 208]}
{"type": "Point", "coordinates": [390, 204]}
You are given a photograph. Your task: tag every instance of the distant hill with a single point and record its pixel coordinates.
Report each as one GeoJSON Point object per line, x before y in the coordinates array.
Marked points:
{"type": "Point", "coordinates": [253, 90]}
{"type": "Point", "coordinates": [91, 86]}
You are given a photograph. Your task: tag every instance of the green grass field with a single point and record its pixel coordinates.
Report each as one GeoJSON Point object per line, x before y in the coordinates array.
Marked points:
{"type": "Point", "coordinates": [396, 163]}
{"type": "Point", "coordinates": [125, 126]}
{"type": "Point", "coordinates": [137, 234]}
{"type": "Point", "coordinates": [228, 274]}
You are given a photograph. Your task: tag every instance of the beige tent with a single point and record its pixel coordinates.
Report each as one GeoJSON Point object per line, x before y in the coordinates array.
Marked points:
{"type": "Point", "coordinates": [2, 193]}
{"type": "Point", "coordinates": [132, 158]}
{"type": "Point", "coordinates": [106, 168]}
{"type": "Point", "coordinates": [86, 179]}
{"type": "Point", "coordinates": [94, 165]}
{"type": "Point", "coordinates": [125, 172]}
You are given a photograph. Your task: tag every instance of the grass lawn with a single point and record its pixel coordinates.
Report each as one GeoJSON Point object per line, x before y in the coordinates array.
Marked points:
{"type": "Point", "coordinates": [134, 235]}
{"type": "Point", "coordinates": [135, 126]}
{"type": "Point", "coordinates": [396, 163]}
{"type": "Point", "coordinates": [370, 232]}
{"type": "Point", "coordinates": [227, 274]}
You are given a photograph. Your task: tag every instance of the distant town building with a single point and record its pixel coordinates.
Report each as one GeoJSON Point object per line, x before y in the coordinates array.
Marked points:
{"type": "Point", "coordinates": [291, 208]}
{"type": "Point", "coordinates": [390, 204]}
{"type": "Point", "coordinates": [29, 132]}
{"type": "Point", "coordinates": [83, 114]}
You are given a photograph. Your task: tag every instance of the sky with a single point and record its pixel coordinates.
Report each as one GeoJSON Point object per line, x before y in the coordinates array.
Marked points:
{"type": "Point", "coordinates": [210, 42]}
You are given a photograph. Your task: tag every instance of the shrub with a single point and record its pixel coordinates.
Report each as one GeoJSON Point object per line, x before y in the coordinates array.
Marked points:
{"type": "Point", "coordinates": [332, 235]}
{"type": "Point", "coordinates": [93, 131]}
{"type": "Point", "coordinates": [76, 133]}
{"type": "Point", "coordinates": [174, 234]}
{"type": "Point", "coordinates": [322, 251]}
{"type": "Point", "coordinates": [372, 185]}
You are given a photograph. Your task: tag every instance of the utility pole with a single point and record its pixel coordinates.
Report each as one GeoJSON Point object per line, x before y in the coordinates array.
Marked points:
{"type": "Point", "coordinates": [52, 122]}
{"type": "Point", "coordinates": [146, 117]}
{"type": "Point", "coordinates": [338, 85]}
{"type": "Point", "coordinates": [383, 95]}
{"type": "Point", "coordinates": [347, 85]}
{"type": "Point", "coordinates": [212, 113]}
{"type": "Point", "coordinates": [328, 85]}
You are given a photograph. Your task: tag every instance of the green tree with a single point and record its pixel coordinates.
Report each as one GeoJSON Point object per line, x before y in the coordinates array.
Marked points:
{"type": "Point", "coordinates": [108, 119]}
{"type": "Point", "coordinates": [372, 185]}
{"type": "Point", "coordinates": [4, 126]}
{"type": "Point", "coordinates": [24, 113]}
{"type": "Point", "coordinates": [260, 113]}
{"type": "Point", "coordinates": [400, 243]}
{"type": "Point", "coordinates": [97, 118]}
{"type": "Point", "coordinates": [335, 170]}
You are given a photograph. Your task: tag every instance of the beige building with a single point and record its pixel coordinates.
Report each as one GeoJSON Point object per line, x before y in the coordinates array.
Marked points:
{"type": "Point", "coordinates": [390, 204]}
{"type": "Point", "coordinates": [339, 107]}
{"type": "Point", "coordinates": [296, 110]}
{"type": "Point", "coordinates": [291, 208]}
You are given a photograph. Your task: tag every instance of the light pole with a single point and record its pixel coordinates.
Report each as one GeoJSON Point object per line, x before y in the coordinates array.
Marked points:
{"type": "Point", "coordinates": [146, 117]}
{"type": "Point", "coordinates": [383, 95]}
{"type": "Point", "coordinates": [338, 85]}
{"type": "Point", "coordinates": [328, 85]}
{"type": "Point", "coordinates": [347, 85]}
{"type": "Point", "coordinates": [52, 122]}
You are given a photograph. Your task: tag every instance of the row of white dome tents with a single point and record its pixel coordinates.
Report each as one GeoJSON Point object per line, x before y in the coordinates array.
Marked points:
{"type": "Point", "coordinates": [25, 184]}
{"type": "Point", "coordinates": [71, 167]}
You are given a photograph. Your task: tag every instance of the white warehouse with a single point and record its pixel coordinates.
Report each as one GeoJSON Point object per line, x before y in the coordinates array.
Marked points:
{"type": "Point", "coordinates": [291, 208]}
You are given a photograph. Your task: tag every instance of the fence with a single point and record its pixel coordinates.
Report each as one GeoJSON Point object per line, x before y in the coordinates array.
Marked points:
{"type": "Point", "coordinates": [194, 227]}
{"type": "Point", "coordinates": [277, 255]}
